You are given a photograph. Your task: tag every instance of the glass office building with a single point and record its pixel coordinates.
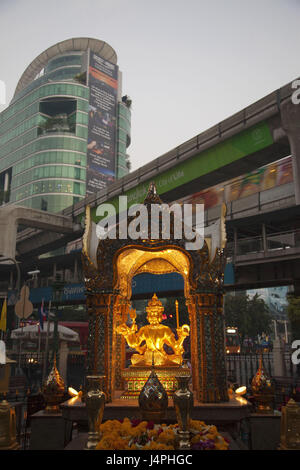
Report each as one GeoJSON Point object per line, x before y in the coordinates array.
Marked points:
{"type": "Point", "coordinates": [67, 129]}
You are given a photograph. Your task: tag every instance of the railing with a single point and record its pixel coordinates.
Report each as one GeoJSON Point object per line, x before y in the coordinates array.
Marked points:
{"type": "Point", "coordinates": [241, 368]}
{"type": "Point", "coordinates": [76, 370]}
{"type": "Point", "coordinates": [273, 243]}
{"type": "Point", "coordinates": [28, 359]}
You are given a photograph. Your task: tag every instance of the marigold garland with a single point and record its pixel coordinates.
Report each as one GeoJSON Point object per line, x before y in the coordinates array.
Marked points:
{"type": "Point", "coordinates": [144, 435]}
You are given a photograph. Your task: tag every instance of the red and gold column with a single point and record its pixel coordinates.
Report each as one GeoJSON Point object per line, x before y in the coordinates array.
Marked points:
{"type": "Point", "coordinates": [208, 350]}
{"type": "Point", "coordinates": [101, 361]}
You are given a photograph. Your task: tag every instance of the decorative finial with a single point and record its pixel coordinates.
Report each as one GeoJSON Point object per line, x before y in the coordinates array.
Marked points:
{"type": "Point", "coordinates": [263, 390]}
{"type": "Point", "coordinates": [53, 389]}
{"type": "Point", "coordinates": [152, 195]}
{"type": "Point", "coordinates": [154, 303]}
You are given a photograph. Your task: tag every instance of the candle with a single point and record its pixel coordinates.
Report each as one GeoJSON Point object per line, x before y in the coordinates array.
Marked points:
{"type": "Point", "coordinates": [177, 317]}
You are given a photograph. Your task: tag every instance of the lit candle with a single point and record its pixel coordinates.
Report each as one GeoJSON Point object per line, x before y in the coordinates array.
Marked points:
{"type": "Point", "coordinates": [177, 316]}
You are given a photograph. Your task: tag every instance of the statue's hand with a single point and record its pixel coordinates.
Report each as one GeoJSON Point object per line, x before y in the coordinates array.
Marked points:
{"type": "Point", "coordinates": [183, 331]}
{"type": "Point", "coordinates": [141, 349]}
{"type": "Point", "coordinates": [133, 328]}
{"type": "Point", "coordinates": [123, 329]}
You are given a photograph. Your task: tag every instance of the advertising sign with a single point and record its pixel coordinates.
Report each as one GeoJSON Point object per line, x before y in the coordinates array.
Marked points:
{"type": "Point", "coordinates": [36, 295]}
{"type": "Point", "coordinates": [101, 151]}
{"type": "Point", "coordinates": [74, 292]}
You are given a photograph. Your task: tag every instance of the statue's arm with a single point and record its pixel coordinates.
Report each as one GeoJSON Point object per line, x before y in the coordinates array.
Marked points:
{"type": "Point", "coordinates": [177, 345]}
{"type": "Point", "coordinates": [170, 340]}
{"type": "Point", "coordinates": [182, 332]}
{"type": "Point", "coordinates": [134, 339]}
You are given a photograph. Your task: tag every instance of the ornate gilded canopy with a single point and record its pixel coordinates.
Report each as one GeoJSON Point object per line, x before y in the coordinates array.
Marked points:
{"type": "Point", "coordinates": [109, 266]}
{"type": "Point", "coordinates": [113, 262]}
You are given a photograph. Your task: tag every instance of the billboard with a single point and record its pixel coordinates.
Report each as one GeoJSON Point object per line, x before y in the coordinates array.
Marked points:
{"type": "Point", "coordinates": [262, 179]}
{"type": "Point", "coordinates": [101, 148]}
{"type": "Point", "coordinates": [70, 292]}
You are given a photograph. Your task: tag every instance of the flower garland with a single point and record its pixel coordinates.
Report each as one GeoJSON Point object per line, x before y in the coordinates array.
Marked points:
{"type": "Point", "coordinates": [144, 435]}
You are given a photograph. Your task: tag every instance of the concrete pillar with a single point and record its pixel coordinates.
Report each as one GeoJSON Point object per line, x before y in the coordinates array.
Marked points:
{"type": "Point", "coordinates": [278, 357]}
{"type": "Point", "coordinates": [286, 332]}
{"type": "Point", "coordinates": [264, 237]}
{"type": "Point", "coordinates": [235, 244]}
{"type": "Point", "coordinates": [63, 360]}
{"type": "Point", "coordinates": [8, 230]}
{"type": "Point", "coordinates": [6, 181]}
{"type": "Point", "coordinates": [290, 118]}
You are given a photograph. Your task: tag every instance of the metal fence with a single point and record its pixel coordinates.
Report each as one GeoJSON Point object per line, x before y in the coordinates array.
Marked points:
{"type": "Point", "coordinates": [242, 367]}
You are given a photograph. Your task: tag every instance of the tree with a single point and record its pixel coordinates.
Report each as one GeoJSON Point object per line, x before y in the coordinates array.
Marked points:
{"type": "Point", "coordinates": [250, 316]}
{"type": "Point", "coordinates": [293, 310]}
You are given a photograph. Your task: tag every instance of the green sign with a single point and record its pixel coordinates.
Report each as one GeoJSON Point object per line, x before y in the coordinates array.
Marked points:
{"type": "Point", "coordinates": [233, 149]}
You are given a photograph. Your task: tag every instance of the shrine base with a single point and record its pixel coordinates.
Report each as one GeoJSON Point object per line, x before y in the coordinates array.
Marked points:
{"type": "Point", "coordinates": [136, 377]}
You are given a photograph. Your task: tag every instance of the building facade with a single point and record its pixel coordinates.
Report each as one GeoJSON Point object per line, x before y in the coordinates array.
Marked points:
{"type": "Point", "coordinates": [66, 131]}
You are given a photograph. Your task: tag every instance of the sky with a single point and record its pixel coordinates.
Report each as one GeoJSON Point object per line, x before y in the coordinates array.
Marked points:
{"type": "Point", "coordinates": [186, 65]}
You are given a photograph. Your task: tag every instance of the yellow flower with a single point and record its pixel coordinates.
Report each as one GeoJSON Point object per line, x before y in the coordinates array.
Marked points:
{"type": "Point", "coordinates": [166, 437]}
{"type": "Point", "coordinates": [152, 433]}
{"type": "Point", "coordinates": [110, 426]}
{"type": "Point", "coordinates": [197, 425]}
{"type": "Point", "coordinates": [142, 426]}
{"type": "Point", "coordinates": [116, 435]}
{"type": "Point", "coordinates": [159, 446]}
{"type": "Point", "coordinates": [221, 446]}
{"type": "Point", "coordinates": [173, 426]}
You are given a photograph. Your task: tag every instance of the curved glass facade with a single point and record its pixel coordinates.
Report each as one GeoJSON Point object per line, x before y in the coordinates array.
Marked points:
{"type": "Point", "coordinates": [43, 137]}
{"type": "Point", "coordinates": [46, 147]}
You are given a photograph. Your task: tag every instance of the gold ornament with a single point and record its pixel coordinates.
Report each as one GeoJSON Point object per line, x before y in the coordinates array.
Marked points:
{"type": "Point", "coordinates": [95, 402]}
{"type": "Point", "coordinates": [7, 427]}
{"type": "Point", "coordinates": [53, 390]}
{"type": "Point", "coordinates": [263, 390]}
{"type": "Point", "coordinates": [136, 377]}
{"type": "Point", "coordinates": [183, 402]}
{"type": "Point", "coordinates": [290, 426]}
{"type": "Point", "coordinates": [153, 399]}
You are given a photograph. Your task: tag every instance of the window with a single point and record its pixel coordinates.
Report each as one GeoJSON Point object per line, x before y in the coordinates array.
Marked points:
{"type": "Point", "coordinates": [57, 115]}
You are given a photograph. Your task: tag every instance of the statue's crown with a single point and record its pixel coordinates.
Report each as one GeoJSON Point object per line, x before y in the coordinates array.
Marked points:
{"type": "Point", "coordinates": [154, 303]}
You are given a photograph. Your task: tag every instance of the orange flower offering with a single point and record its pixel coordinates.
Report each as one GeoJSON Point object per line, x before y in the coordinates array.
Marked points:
{"type": "Point", "coordinates": [144, 435]}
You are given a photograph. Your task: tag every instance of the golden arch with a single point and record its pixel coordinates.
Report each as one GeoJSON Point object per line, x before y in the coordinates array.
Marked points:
{"type": "Point", "coordinates": [136, 260]}
{"type": "Point", "coordinates": [128, 262]}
